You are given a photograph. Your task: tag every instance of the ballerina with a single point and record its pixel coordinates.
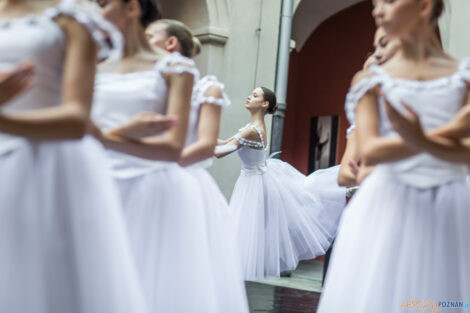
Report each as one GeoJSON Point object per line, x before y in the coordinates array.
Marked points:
{"type": "Point", "coordinates": [163, 202]}
{"type": "Point", "coordinates": [207, 102]}
{"type": "Point", "coordinates": [278, 221]}
{"type": "Point", "coordinates": [411, 199]}
{"type": "Point", "coordinates": [63, 246]}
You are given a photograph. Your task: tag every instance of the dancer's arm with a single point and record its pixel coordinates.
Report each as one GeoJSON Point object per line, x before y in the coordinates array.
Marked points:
{"type": "Point", "coordinates": [145, 124]}
{"type": "Point", "coordinates": [382, 150]}
{"type": "Point", "coordinates": [374, 149]}
{"type": "Point", "coordinates": [224, 141]}
{"type": "Point", "coordinates": [249, 134]}
{"type": "Point", "coordinates": [409, 127]}
{"type": "Point", "coordinates": [208, 131]}
{"type": "Point", "coordinates": [459, 126]}
{"type": "Point", "coordinates": [167, 147]}
{"type": "Point", "coordinates": [363, 172]}
{"type": "Point", "coordinates": [346, 176]}
{"type": "Point", "coordinates": [231, 144]}
{"type": "Point", "coordinates": [68, 120]}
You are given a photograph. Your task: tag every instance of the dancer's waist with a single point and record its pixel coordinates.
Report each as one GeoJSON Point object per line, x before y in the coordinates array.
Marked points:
{"type": "Point", "coordinates": [202, 164]}
{"type": "Point", "coordinates": [254, 170]}
{"type": "Point", "coordinates": [423, 175]}
{"type": "Point", "coordinates": [126, 166]}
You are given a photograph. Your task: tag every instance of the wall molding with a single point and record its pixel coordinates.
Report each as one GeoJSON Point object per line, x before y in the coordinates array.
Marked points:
{"type": "Point", "coordinates": [212, 35]}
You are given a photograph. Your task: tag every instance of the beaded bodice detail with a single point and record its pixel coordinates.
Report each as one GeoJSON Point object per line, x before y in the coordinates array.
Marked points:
{"type": "Point", "coordinates": [252, 153]}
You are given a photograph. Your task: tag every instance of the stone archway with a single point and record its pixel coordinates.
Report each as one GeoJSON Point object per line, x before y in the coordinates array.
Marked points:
{"type": "Point", "coordinates": [310, 14]}
{"type": "Point", "coordinates": [208, 18]}
{"type": "Point", "coordinates": [330, 50]}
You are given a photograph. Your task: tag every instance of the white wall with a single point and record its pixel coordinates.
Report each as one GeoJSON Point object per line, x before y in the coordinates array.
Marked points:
{"type": "Point", "coordinates": [455, 28]}
{"type": "Point", "coordinates": [250, 61]}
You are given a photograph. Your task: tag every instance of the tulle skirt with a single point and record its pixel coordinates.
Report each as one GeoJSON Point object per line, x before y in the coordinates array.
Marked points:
{"type": "Point", "coordinates": [231, 294]}
{"type": "Point", "coordinates": [278, 221]}
{"type": "Point", "coordinates": [397, 243]}
{"type": "Point", "coordinates": [169, 233]}
{"type": "Point", "coordinates": [63, 245]}
{"type": "Point", "coordinates": [324, 185]}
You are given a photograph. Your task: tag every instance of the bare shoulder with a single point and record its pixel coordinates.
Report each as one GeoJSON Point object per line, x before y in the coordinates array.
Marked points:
{"type": "Point", "coordinates": [214, 91]}
{"type": "Point", "coordinates": [251, 134]}
{"type": "Point", "coordinates": [74, 29]}
{"type": "Point", "coordinates": [446, 60]}
{"type": "Point", "coordinates": [359, 76]}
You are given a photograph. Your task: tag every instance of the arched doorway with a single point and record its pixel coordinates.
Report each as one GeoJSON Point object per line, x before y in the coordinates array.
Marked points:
{"type": "Point", "coordinates": [319, 77]}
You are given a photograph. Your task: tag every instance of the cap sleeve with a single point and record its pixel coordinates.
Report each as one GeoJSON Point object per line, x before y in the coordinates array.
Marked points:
{"type": "Point", "coordinates": [357, 92]}
{"type": "Point", "coordinates": [250, 143]}
{"type": "Point", "coordinates": [107, 37]}
{"type": "Point", "coordinates": [201, 88]}
{"type": "Point", "coordinates": [464, 69]}
{"type": "Point", "coordinates": [175, 63]}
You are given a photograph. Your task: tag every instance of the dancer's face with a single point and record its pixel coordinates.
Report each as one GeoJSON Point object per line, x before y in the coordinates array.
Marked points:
{"type": "Point", "coordinates": [400, 17]}
{"type": "Point", "coordinates": [119, 12]}
{"type": "Point", "coordinates": [255, 100]}
{"type": "Point", "coordinates": [385, 47]}
{"type": "Point", "coordinates": [157, 35]}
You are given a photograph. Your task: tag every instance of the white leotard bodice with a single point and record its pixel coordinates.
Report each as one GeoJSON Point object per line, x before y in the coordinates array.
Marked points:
{"type": "Point", "coordinates": [436, 101]}
{"type": "Point", "coordinates": [39, 39]}
{"type": "Point", "coordinates": [119, 97]}
{"type": "Point", "coordinates": [252, 153]}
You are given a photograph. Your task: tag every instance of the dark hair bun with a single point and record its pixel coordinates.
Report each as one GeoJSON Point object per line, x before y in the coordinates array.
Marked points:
{"type": "Point", "coordinates": [270, 96]}
{"type": "Point", "coordinates": [437, 10]}
{"type": "Point", "coordinates": [272, 110]}
{"type": "Point", "coordinates": [150, 12]}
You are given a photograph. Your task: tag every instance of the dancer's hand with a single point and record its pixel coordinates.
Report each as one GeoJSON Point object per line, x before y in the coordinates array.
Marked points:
{"type": "Point", "coordinates": [353, 167]}
{"type": "Point", "coordinates": [14, 82]}
{"type": "Point", "coordinates": [95, 131]}
{"type": "Point", "coordinates": [409, 127]}
{"type": "Point", "coordinates": [145, 124]}
{"type": "Point", "coordinates": [462, 122]}
{"type": "Point", "coordinates": [364, 171]}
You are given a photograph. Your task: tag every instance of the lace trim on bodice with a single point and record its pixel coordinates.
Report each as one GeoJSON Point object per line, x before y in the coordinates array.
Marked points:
{"type": "Point", "coordinates": [358, 91]}
{"type": "Point", "coordinates": [105, 35]}
{"type": "Point", "coordinates": [201, 88]}
{"type": "Point", "coordinates": [175, 63]}
{"type": "Point", "coordinates": [251, 143]}
{"type": "Point", "coordinates": [380, 77]}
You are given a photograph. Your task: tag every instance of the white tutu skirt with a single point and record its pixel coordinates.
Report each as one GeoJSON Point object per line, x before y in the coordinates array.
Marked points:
{"type": "Point", "coordinates": [397, 243]}
{"type": "Point", "coordinates": [167, 223]}
{"type": "Point", "coordinates": [278, 221]}
{"type": "Point", "coordinates": [63, 246]}
{"type": "Point", "coordinates": [323, 184]}
{"type": "Point", "coordinates": [226, 265]}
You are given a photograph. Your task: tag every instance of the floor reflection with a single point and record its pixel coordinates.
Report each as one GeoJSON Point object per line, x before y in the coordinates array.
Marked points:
{"type": "Point", "coordinates": [271, 299]}
{"type": "Point", "coordinates": [298, 293]}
